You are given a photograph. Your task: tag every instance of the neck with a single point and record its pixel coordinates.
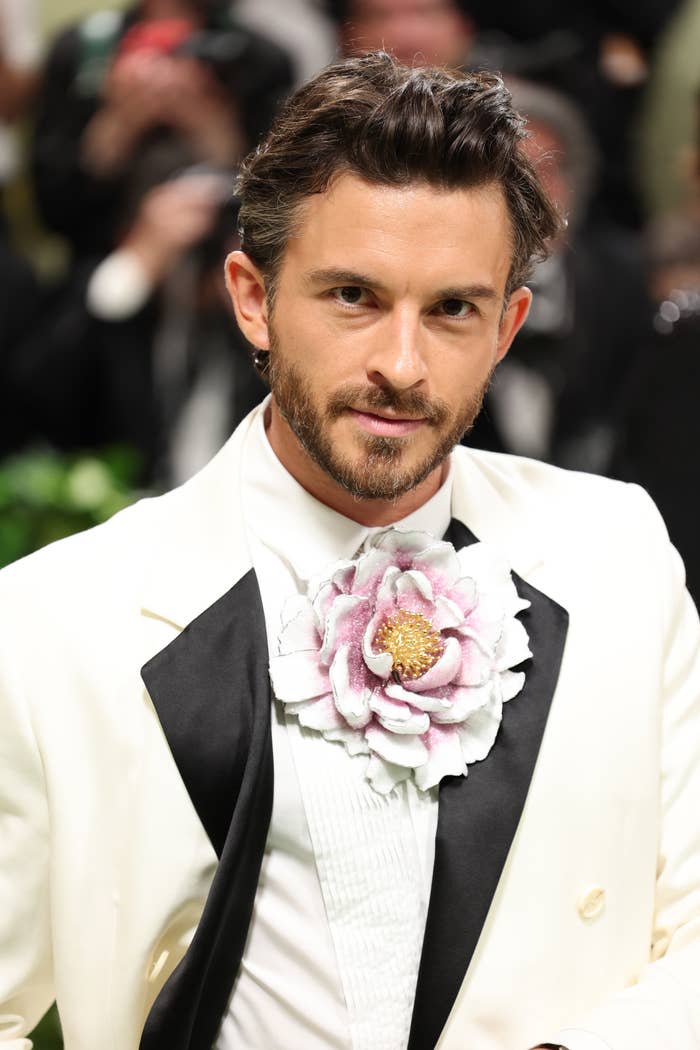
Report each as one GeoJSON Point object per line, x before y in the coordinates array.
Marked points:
{"type": "Point", "coordinates": [319, 484]}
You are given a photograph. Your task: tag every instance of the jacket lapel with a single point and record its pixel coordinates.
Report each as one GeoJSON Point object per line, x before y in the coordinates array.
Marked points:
{"type": "Point", "coordinates": [478, 818]}
{"type": "Point", "coordinates": [211, 691]}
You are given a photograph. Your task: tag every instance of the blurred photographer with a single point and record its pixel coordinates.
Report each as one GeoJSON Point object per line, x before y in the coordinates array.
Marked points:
{"type": "Point", "coordinates": [168, 84]}
{"type": "Point", "coordinates": [143, 349]}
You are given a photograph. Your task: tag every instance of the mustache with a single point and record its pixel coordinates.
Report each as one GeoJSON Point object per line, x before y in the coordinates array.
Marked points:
{"type": "Point", "coordinates": [405, 403]}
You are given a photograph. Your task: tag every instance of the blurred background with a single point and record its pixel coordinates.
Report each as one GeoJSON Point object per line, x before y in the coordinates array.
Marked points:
{"type": "Point", "coordinates": [121, 128]}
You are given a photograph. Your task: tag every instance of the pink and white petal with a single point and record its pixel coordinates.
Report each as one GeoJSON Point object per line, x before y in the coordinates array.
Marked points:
{"type": "Point", "coordinates": [322, 602]}
{"type": "Point", "coordinates": [478, 734]}
{"type": "Point", "coordinates": [513, 646]}
{"type": "Point", "coordinates": [353, 739]}
{"type": "Point", "coordinates": [477, 666]}
{"type": "Point", "coordinates": [320, 714]}
{"type": "Point", "coordinates": [447, 615]}
{"type": "Point", "coordinates": [464, 594]}
{"type": "Point", "coordinates": [473, 630]}
{"type": "Point", "coordinates": [403, 547]}
{"type": "Point", "coordinates": [298, 676]}
{"type": "Point", "coordinates": [411, 585]}
{"type": "Point", "coordinates": [419, 700]}
{"type": "Point", "coordinates": [511, 684]}
{"type": "Point", "coordinates": [384, 776]}
{"type": "Point", "coordinates": [300, 629]}
{"type": "Point", "coordinates": [398, 717]}
{"type": "Point", "coordinates": [343, 576]}
{"type": "Point", "coordinates": [351, 688]}
{"type": "Point", "coordinates": [403, 750]}
{"type": "Point", "coordinates": [445, 757]}
{"type": "Point", "coordinates": [439, 562]}
{"type": "Point", "coordinates": [370, 569]}
{"type": "Point", "coordinates": [344, 624]}
{"type": "Point", "coordinates": [380, 664]}
{"type": "Point", "coordinates": [465, 701]}
{"type": "Point", "coordinates": [441, 673]}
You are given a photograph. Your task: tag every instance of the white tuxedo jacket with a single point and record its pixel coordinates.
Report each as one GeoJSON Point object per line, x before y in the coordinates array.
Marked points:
{"type": "Point", "coordinates": [134, 808]}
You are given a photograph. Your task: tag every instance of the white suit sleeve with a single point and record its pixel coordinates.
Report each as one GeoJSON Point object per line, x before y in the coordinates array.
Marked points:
{"type": "Point", "coordinates": [662, 1010]}
{"type": "Point", "coordinates": [26, 990]}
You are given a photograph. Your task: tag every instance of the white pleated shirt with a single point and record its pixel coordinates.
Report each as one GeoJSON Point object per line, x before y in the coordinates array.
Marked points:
{"type": "Point", "coordinates": [333, 948]}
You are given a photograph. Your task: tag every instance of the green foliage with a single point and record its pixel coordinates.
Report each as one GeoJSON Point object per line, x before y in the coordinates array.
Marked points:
{"type": "Point", "coordinates": [45, 496]}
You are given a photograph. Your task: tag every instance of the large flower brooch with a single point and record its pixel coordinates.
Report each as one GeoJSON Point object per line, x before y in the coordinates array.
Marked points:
{"type": "Point", "coordinates": [405, 654]}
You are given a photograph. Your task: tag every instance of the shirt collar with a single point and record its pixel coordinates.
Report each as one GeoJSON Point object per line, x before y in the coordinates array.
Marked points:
{"type": "Point", "coordinates": [295, 525]}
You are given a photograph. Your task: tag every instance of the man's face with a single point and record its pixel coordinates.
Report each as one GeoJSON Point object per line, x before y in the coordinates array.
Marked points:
{"type": "Point", "coordinates": [388, 320]}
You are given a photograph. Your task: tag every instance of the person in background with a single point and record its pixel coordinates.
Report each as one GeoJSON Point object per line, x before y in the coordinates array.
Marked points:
{"type": "Point", "coordinates": [142, 119]}
{"type": "Point", "coordinates": [20, 52]}
{"type": "Point", "coordinates": [301, 27]}
{"type": "Point", "coordinates": [557, 395]}
{"type": "Point", "coordinates": [423, 32]}
{"type": "Point", "coordinates": [163, 86]}
{"type": "Point", "coordinates": [596, 53]}
{"type": "Point", "coordinates": [143, 349]}
{"type": "Point", "coordinates": [659, 429]}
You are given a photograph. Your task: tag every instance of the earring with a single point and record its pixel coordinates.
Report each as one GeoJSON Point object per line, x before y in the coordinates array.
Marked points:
{"type": "Point", "coordinates": [261, 362]}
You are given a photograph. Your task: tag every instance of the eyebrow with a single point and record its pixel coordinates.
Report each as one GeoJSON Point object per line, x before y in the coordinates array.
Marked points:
{"type": "Point", "coordinates": [340, 277]}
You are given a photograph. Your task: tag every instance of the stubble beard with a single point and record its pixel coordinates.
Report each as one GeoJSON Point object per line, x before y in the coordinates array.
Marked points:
{"type": "Point", "coordinates": [378, 474]}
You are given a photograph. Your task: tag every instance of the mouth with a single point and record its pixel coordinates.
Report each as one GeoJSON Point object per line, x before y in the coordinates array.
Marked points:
{"type": "Point", "coordinates": [382, 425]}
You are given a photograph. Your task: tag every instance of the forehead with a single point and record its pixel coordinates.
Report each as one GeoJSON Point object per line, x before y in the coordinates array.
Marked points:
{"type": "Point", "coordinates": [416, 235]}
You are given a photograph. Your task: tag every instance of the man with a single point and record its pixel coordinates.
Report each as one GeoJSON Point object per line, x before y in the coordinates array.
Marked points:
{"type": "Point", "coordinates": [130, 98]}
{"type": "Point", "coordinates": [157, 878]}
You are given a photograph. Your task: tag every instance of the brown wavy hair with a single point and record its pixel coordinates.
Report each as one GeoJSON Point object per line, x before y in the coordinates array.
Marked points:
{"type": "Point", "coordinates": [392, 125]}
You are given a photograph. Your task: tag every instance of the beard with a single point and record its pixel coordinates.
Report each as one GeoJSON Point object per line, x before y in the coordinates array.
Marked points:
{"type": "Point", "coordinates": [378, 474]}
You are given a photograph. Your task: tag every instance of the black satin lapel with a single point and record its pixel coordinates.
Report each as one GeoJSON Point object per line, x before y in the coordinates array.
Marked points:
{"type": "Point", "coordinates": [211, 690]}
{"type": "Point", "coordinates": [479, 816]}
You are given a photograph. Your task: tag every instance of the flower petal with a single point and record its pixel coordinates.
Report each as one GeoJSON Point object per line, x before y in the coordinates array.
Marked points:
{"type": "Point", "coordinates": [511, 684]}
{"type": "Point", "coordinates": [370, 568]}
{"type": "Point", "coordinates": [445, 757]}
{"type": "Point", "coordinates": [401, 749]}
{"type": "Point", "coordinates": [344, 624]}
{"type": "Point", "coordinates": [513, 646]}
{"type": "Point", "coordinates": [441, 673]}
{"type": "Point", "coordinates": [300, 629]}
{"type": "Point", "coordinates": [419, 700]}
{"type": "Point", "coordinates": [380, 664]}
{"type": "Point", "coordinates": [463, 594]}
{"type": "Point", "coordinates": [446, 614]}
{"type": "Point", "coordinates": [398, 717]}
{"type": "Point", "coordinates": [298, 676]}
{"type": "Point", "coordinates": [353, 739]}
{"type": "Point", "coordinates": [350, 688]}
{"type": "Point", "coordinates": [319, 713]}
{"type": "Point", "coordinates": [403, 546]}
{"type": "Point", "coordinates": [465, 700]}
{"type": "Point", "coordinates": [439, 562]}
{"type": "Point", "coordinates": [475, 667]}
{"type": "Point", "coordinates": [325, 596]}
{"type": "Point", "coordinates": [412, 584]}
{"type": "Point", "coordinates": [384, 776]}
{"type": "Point", "coordinates": [478, 733]}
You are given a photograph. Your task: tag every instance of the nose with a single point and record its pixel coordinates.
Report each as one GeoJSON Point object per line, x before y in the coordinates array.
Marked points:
{"type": "Point", "coordinates": [397, 357]}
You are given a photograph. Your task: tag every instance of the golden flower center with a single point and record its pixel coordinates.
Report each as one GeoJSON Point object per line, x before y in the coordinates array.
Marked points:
{"type": "Point", "coordinates": [413, 642]}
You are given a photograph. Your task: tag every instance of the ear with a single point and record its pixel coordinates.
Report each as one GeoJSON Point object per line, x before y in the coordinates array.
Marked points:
{"type": "Point", "coordinates": [246, 286]}
{"type": "Point", "coordinates": [513, 319]}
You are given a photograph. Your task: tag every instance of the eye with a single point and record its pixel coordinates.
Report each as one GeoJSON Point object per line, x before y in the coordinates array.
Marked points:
{"type": "Point", "coordinates": [457, 308]}
{"type": "Point", "coordinates": [350, 295]}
